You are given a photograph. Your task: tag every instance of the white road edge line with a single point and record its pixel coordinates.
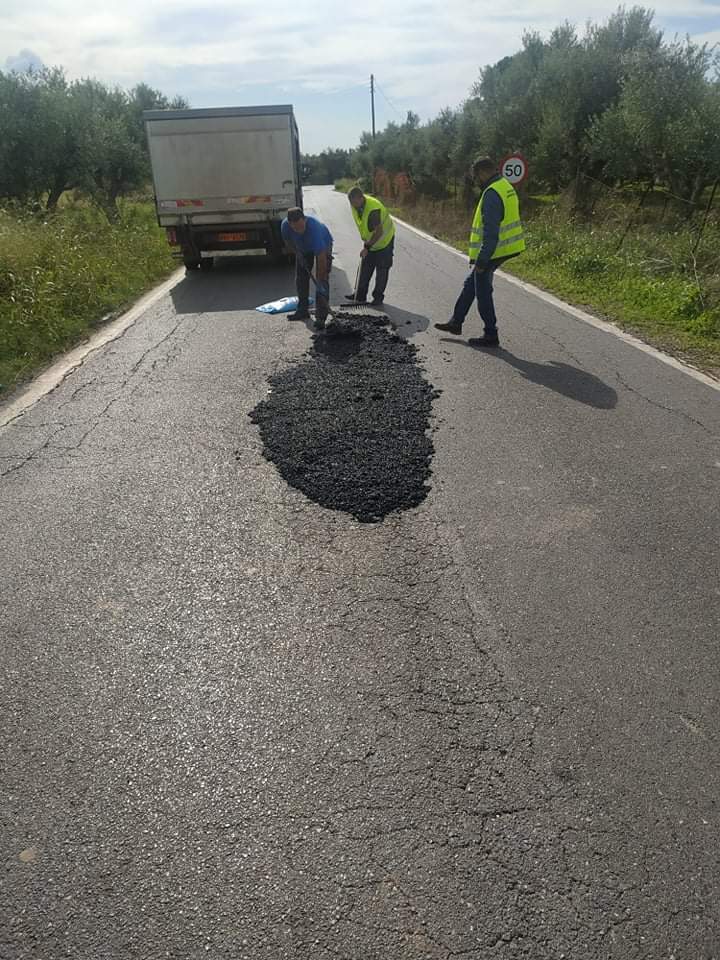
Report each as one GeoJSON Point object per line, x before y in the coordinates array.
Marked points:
{"type": "Point", "coordinates": [580, 314]}
{"type": "Point", "coordinates": [51, 378]}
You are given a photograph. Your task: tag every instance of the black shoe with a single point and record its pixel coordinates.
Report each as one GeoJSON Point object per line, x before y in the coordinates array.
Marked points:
{"type": "Point", "coordinates": [450, 327]}
{"type": "Point", "coordinates": [299, 315]}
{"type": "Point", "coordinates": [354, 299]}
{"type": "Point", "coordinates": [484, 341]}
{"type": "Point", "coordinates": [376, 302]}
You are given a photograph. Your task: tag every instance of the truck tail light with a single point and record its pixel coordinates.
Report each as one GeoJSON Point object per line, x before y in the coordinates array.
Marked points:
{"type": "Point", "coordinates": [172, 237]}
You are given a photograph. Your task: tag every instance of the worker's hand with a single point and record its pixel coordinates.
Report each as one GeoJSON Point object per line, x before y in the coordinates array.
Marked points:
{"type": "Point", "coordinates": [364, 252]}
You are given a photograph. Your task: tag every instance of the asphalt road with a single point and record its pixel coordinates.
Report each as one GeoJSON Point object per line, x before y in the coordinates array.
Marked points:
{"type": "Point", "coordinates": [236, 724]}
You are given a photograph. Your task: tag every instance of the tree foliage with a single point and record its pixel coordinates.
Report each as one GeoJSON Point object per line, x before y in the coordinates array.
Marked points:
{"type": "Point", "coordinates": [614, 102]}
{"type": "Point", "coordinates": [326, 167]}
{"type": "Point", "coordinates": [57, 135]}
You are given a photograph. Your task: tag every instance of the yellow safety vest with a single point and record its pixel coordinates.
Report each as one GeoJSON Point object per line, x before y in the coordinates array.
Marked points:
{"type": "Point", "coordinates": [361, 219]}
{"type": "Point", "coordinates": [510, 238]}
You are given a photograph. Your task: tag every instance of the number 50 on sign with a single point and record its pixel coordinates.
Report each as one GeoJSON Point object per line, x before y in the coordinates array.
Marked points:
{"type": "Point", "coordinates": [514, 168]}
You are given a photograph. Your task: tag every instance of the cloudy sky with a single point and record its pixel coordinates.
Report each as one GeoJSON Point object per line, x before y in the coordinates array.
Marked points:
{"type": "Point", "coordinates": [316, 55]}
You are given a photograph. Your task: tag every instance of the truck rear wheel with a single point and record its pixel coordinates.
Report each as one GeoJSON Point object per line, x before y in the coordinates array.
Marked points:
{"type": "Point", "coordinates": [207, 263]}
{"type": "Point", "coordinates": [190, 263]}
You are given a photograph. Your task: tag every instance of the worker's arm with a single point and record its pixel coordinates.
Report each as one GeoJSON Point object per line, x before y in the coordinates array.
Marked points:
{"type": "Point", "coordinates": [493, 211]}
{"type": "Point", "coordinates": [287, 236]}
{"type": "Point", "coordinates": [375, 224]}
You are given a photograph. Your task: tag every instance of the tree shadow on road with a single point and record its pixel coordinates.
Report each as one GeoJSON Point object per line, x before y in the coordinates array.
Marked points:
{"type": "Point", "coordinates": [561, 377]}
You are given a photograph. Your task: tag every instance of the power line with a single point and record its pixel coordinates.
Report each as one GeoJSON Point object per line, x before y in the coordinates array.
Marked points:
{"type": "Point", "coordinates": [348, 86]}
{"type": "Point", "coordinates": [387, 99]}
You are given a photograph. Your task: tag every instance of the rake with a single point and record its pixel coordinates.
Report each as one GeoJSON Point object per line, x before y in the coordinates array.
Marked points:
{"type": "Point", "coordinates": [351, 304]}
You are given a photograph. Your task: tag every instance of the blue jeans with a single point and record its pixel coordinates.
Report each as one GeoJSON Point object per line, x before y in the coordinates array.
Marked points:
{"type": "Point", "coordinates": [478, 286]}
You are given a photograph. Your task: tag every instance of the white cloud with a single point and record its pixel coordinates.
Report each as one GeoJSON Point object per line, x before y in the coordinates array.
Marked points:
{"type": "Point", "coordinates": [712, 39]}
{"type": "Point", "coordinates": [24, 61]}
{"type": "Point", "coordinates": [425, 53]}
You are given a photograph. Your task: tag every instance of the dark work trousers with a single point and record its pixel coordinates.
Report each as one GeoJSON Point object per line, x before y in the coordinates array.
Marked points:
{"type": "Point", "coordinates": [302, 284]}
{"type": "Point", "coordinates": [478, 286]}
{"type": "Point", "coordinates": [379, 263]}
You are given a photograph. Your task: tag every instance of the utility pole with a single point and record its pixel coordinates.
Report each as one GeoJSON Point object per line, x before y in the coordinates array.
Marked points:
{"type": "Point", "coordinates": [372, 102]}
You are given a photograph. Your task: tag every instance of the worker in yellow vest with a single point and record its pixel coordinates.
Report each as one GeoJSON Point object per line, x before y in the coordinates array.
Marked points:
{"type": "Point", "coordinates": [496, 235]}
{"type": "Point", "coordinates": [378, 234]}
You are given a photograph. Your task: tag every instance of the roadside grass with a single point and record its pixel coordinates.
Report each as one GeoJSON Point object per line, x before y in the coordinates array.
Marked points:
{"type": "Point", "coordinates": [652, 284]}
{"type": "Point", "coordinates": [61, 275]}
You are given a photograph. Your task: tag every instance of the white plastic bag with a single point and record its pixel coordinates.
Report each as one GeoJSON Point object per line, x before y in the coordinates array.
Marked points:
{"type": "Point", "coordinates": [284, 305]}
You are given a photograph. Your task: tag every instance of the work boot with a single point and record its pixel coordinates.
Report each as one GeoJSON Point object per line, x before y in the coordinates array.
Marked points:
{"type": "Point", "coordinates": [484, 341]}
{"type": "Point", "coordinates": [452, 326]}
{"type": "Point", "coordinates": [353, 298]}
{"type": "Point", "coordinates": [377, 301]}
{"type": "Point", "coordinates": [299, 315]}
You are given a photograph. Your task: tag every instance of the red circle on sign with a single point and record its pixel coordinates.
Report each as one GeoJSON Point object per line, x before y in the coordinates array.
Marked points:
{"type": "Point", "coordinates": [514, 168]}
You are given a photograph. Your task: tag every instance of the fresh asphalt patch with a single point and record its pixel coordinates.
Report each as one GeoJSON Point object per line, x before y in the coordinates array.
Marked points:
{"type": "Point", "coordinates": [348, 425]}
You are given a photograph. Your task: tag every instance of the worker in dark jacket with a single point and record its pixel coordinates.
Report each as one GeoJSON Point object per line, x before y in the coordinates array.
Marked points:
{"type": "Point", "coordinates": [312, 243]}
{"type": "Point", "coordinates": [496, 235]}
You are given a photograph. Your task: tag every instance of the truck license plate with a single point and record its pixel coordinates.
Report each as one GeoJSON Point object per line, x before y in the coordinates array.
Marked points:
{"type": "Point", "coordinates": [231, 237]}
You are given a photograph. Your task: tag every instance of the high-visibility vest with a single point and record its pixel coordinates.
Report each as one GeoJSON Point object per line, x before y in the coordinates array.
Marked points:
{"type": "Point", "coordinates": [361, 219]}
{"type": "Point", "coordinates": [510, 238]}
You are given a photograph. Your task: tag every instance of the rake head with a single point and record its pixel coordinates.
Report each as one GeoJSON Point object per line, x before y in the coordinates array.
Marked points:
{"type": "Point", "coordinates": [358, 307]}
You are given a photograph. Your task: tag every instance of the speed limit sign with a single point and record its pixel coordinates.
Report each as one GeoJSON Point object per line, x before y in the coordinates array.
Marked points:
{"type": "Point", "coordinates": [514, 168]}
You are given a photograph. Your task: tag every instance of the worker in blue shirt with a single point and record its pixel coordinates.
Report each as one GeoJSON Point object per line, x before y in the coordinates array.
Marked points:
{"type": "Point", "coordinates": [495, 236]}
{"type": "Point", "coordinates": [311, 242]}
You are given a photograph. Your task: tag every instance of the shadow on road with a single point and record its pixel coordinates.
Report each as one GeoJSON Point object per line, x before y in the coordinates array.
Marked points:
{"type": "Point", "coordinates": [241, 283]}
{"type": "Point", "coordinates": [244, 283]}
{"type": "Point", "coordinates": [563, 378]}
{"type": "Point", "coordinates": [405, 323]}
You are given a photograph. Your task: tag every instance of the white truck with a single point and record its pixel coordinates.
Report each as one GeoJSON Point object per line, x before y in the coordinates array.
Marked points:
{"type": "Point", "coordinates": [224, 179]}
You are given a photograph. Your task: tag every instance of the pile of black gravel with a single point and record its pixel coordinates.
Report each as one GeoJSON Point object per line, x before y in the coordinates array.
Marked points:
{"type": "Point", "coordinates": [349, 425]}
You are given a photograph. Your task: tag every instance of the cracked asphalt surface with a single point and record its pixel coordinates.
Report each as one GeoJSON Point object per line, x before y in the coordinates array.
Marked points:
{"type": "Point", "coordinates": [237, 724]}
